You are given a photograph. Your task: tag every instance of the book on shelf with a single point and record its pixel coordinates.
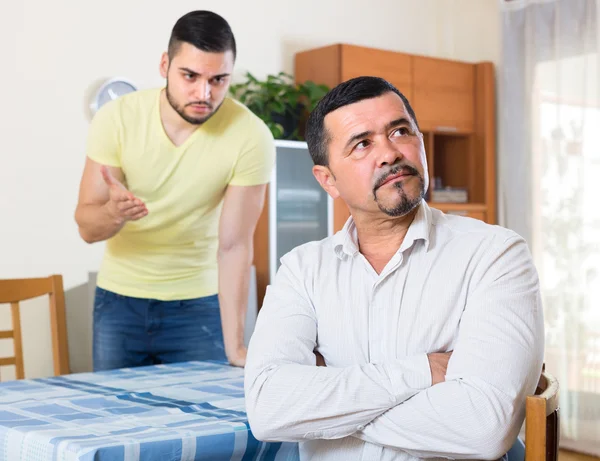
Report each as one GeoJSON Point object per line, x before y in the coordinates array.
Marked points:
{"type": "Point", "coordinates": [449, 195]}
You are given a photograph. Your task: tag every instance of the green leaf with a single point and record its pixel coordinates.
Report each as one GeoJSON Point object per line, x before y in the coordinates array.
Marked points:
{"type": "Point", "coordinates": [277, 94]}
{"type": "Point", "coordinates": [278, 107]}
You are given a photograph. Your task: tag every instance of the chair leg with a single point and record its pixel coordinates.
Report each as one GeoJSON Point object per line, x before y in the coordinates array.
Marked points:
{"type": "Point", "coordinates": [17, 340]}
{"type": "Point", "coordinates": [60, 347]}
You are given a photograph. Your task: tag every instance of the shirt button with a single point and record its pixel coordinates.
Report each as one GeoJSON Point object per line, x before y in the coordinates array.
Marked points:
{"type": "Point", "coordinates": [360, 428]}
{"type": "Point", "coordinates": [393, 399]}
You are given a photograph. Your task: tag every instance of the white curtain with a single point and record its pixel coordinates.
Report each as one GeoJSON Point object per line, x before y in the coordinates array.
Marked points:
{"type": "Point", "coordinates": [549, 178]}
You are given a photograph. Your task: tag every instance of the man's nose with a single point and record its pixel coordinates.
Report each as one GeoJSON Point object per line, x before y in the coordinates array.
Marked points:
{"type": "Point", "coordinates": [202, 92]}
{"type": "Point", "coordinates": [388, 154]}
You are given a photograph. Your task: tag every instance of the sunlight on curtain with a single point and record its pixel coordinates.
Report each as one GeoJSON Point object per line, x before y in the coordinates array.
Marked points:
{"type": "Point", "coordinates": [549, 181]}
{"type": "Point", "coordinates": [567, 235]}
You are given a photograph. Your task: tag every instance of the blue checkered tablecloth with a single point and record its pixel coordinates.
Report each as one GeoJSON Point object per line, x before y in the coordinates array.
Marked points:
{"type": "Point", "coordinates": [178, 412]}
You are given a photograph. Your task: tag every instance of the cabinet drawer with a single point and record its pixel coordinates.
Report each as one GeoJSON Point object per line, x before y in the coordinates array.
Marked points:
{"type": "Point", "coordinates": [444, 95]}
{"type": "Point", "coordinates": [396, 68]}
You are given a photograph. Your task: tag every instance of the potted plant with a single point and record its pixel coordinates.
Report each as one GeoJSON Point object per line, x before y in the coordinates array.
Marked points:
{"type": "Point", "coordinates": [279, 102]}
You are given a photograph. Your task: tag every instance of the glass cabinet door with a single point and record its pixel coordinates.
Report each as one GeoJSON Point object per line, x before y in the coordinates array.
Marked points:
{"type": "Point", "coordinates": [300, 210]}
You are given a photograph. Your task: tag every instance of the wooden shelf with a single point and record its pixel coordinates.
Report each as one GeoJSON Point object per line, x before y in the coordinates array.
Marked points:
{"type": "Point", "coordinates": [447, 131]}
{"type": "Point", "coordinates": [458, 206]}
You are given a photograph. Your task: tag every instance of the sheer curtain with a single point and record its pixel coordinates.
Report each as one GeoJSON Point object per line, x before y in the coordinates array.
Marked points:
{"type": "Point", "coordinates": [549, 180]}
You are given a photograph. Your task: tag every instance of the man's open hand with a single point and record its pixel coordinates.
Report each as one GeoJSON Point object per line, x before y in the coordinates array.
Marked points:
{"type": "Point", "coordinates": [122, 205]}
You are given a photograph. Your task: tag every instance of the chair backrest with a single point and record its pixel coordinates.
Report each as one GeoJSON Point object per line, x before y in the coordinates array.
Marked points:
{"type": "Point", "coordinates": [542, 423]}
{"type": "Point", "coordinates": [13, 291]}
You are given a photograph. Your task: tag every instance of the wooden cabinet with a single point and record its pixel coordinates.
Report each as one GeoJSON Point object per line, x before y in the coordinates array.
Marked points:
{"type": "Point", "coordinates": [443, 95]}
{"type": "Point", "coordinates": [396, 68]}
{"type": "Point", "coordinates": [454, 103]}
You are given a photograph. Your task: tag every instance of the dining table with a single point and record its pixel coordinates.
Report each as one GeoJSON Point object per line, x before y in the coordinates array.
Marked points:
{"type": "Point", "coordinates": [172, 412]}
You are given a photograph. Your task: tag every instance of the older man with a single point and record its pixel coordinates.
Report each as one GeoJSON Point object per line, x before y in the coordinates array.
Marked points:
{"type": "Point", "coordinates": [430, 325]}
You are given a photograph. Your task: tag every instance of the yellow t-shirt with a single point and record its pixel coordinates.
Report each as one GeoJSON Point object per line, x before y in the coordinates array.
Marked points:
{"type": "Point", "coordinates": [171, 254]}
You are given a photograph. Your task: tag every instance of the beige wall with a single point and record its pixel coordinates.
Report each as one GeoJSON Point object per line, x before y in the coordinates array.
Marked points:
{"type": "Point", "coordinates": [53, 55]}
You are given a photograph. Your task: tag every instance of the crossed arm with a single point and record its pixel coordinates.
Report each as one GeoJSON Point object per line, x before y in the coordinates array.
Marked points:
{"type": "Point", "coordinates": [474, 414]}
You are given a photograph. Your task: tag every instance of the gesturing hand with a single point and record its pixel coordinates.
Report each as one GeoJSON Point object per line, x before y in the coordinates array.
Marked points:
{"type": "Point", "coordinates": [237, 358]}
{"type": "Point", "coordinates": [122, 205]}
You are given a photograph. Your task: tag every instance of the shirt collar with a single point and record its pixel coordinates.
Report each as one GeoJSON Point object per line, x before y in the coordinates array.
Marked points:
{"type": "Point", "coordinates": [420, 228]}
{"type": "Point", "coordinates": [345, 241]}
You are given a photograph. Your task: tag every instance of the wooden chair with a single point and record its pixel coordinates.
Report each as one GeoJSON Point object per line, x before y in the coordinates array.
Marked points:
{"type": "Point", "coordinates": [12, 291]}
{"type": "Point", "coordinates": [542, 424]}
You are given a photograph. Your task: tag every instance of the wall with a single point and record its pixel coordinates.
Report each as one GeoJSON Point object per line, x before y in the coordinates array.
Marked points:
{"type": "Point", "coordinates": [54, 55]}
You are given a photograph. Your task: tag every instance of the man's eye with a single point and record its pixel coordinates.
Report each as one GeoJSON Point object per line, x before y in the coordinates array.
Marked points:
{"type": "Point", "coordinates": [402, 131]}
{"type": "Point", "coordinates": [362, 145]}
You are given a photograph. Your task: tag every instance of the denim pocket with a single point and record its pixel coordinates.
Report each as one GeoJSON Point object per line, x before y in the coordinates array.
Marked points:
{"type": "Point", "coordinates": [103, 299]}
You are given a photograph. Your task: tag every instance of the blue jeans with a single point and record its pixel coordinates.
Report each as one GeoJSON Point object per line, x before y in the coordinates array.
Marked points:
{"type": "Point", "coordinates": [517, 452]}
{"type": "Point", "coordinates": [132, 332]}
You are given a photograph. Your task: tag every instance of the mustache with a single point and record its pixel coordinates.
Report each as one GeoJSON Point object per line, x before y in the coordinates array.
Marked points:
{"type": "Point", "coordinates": [401, 168]}
{"type": "Point", "coordinates": [200, 103]}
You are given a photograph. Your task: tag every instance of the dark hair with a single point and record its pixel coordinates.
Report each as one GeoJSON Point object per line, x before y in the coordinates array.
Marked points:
{"type": "Point", "coordinates": [205, 30]}
{"type": "Point", "coordinates": [348, 92]}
